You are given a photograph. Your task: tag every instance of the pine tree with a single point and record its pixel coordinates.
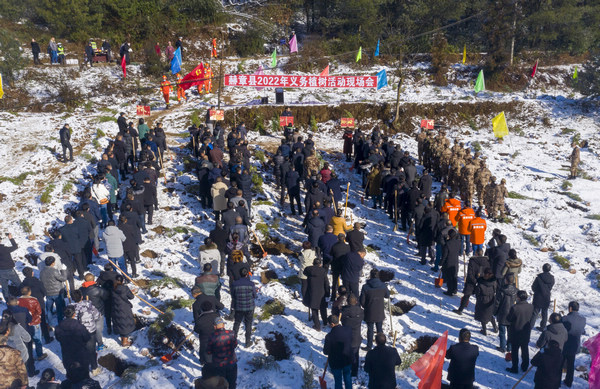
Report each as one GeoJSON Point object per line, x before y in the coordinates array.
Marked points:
{"type": "Point", "coordinates": [588, 80]}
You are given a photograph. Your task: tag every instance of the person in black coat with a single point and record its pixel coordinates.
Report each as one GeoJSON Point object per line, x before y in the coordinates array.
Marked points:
{"type": "Point", "coordinates": [426, 233]}
{"type": "Point", "coordinates": [506, 297]}
{"type": "Point", "coordinates": [122, 315]}
{"type": "Point", "coordinates": [131, 248]}
{"type": "Point", "coordinates": [73, 337]}
{"type": "Point", "coordinates": [498, 256]}
{"type": "Point", "coordinates": [519, 331]}
{"type": "Point", "coordinates": [150, 199]}
{"type": "Point", "coordinates": [425, 184]}
{"type": "Point", "coordinates": [7, 266]}
{"type": "Point", "coordinates": [122, 122]}
{"type": "Point", "coordinates": [549, 367]}
{"type": "Point", "coordinates": [65, 141]}
{"type": "Point", "coordinates": [35, 50]}
{"type": "Point", "coordinates": [106, 280]}
{"type": "Point", "coordinates": [474, 270]}
{"type": "Point", "coordinates": [338, 348]}
{"type": "Point", "coordinates": [75, 240]}
{"type": "Point", "coordinates": [204, 318]}
{"type": "Point", "coordinates": [372, 299]}
{"type": "Point", "coordinates": [338, 255]}
{"type": "Point", "coordinates": [542, 287]}
{"type": "Point", "coordinates": [99, 297]}
{"type": "Point", "coordinates": [317, 289]}
{"type": "Point", "coordinates": [334, 188]}
{"type": "Point", "coordinates": [219, 236]}
{"type": "Point", "coordinates": [450, 254]}
{"type": "Point", "coordinates": [315, 227]}
{"type": "Point", "coordinates": [326, 243]}
{"type": "Point", "coordinates": [575, 325]}
{"type": "Point", "coordinates": [352, 316]}
{"type": "Point", "coordinates": [352, 265]}
{"type": "Point", "coordinates": [86, 236]}
{"type": "Point", "coordinates": [229, 216]}
{"type": "Point", "coordinates": [463, 357]}
{"type": "Point", "coordinates": [380, 364]}
{"type": "Point", "coordinates": [355, 238]}
{"type": "Point", "coordinates": [292, 182]}
{"type": "Point", "coordinates": [485, 292]}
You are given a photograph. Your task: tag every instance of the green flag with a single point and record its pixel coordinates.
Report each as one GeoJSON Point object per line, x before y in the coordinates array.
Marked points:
{"type": "Point", "coordinates": [359, 55]}
{"type": "Point", "coordinates": [274, 59]}
{"type": "Point", "coordinates": [575, 74]}
{"type": "Point", "coordinates": [480, 83]}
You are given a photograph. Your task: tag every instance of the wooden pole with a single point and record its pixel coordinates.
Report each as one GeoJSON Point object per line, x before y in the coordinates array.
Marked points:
{"type": "Point", "coordinates": [347, 194]}
{"type": "Point", "coordinates": [68, 293]}
{"type": "Point", "coordinates": [523, 376]}
{"type": "Point", "coordinates": [554, 306]}
{"type": "Point", "coordinates": [133, 282]}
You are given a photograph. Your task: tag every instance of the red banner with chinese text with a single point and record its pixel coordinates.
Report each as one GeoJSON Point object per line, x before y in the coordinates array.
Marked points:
{"type": "Point", "coordinates": [347, 122]}
{"type": "Point", "coordinates": [286, 81]}
{"type": "Point", "coordinates": [143, 110]}
{"type": "Point", "coordinates": [284, 121]}
{"type": "Point", "coordinates": [216, 114]}
{"type": "Point", "coordinates": [427, 124]}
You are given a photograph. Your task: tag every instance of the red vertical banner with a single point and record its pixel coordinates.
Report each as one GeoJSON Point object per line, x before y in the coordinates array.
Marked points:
{"type": "Point", "coordinates": [286, 121]}
{"type": "Point", "coordinates": [143, 110]}
{"type": "Point", "coordinates": [427, 124]}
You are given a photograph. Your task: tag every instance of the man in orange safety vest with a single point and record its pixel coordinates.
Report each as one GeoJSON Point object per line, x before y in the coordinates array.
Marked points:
{"type": "Point", "coordinates": [166, 88]}
{"type": "Point", "coordinates": [180, 91]}
{"type": "Point", "coordinates": [213, 52]}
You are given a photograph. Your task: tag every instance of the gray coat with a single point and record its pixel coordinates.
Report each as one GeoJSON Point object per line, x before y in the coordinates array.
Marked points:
{"type": "Point", "coordinates": [555, 331]}
{"type": "Point", "coordinates": [114, 238]}
{"type": "Point", "coordinates": [53, 280]}
{"type": "Point", "coordinates": [17, 339]}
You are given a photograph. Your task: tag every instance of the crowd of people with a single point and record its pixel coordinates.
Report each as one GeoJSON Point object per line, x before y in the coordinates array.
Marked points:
{"type": "Point", "coordinates": [445, 226]}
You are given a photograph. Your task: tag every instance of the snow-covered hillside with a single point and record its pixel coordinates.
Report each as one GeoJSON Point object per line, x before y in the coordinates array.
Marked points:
{"type": "Point", "coordinates": [552, 216]}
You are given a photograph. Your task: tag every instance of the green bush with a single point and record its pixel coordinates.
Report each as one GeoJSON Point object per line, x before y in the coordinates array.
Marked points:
{"type": "Point", "coordinates": [67, 187]}
{"type": "Point", "coordinates": [46, 196]}
{"type": "Point", "coordinates": [562, 261]}
{"type": "Point", "coordinates": [24, 223]}
{"type": "Point", "coordinates": [12, 60]}
{"type": "Point", "coordinates": [18, 180]}
{"type": "Point", "coordinates": [257, 183]}
{"type": "Point", "coordinates": [531, 239]}
{"type": "Point", "coordinates": [249, 42]}
{"type": "Point", "coordinates": [152, 66]}
{"type": "Point", "coordinates": [518, 196]}
{"type": "Point", "coordinates": [476, 146]}
{"type": "Point", "coordinates": [276, 127]}
{"type": "Point", "coordinates": [260, 155]}
{"type": "Point", "coordinates": [566, 185]}
{"type": "Point", "coordinates": [272, 307]}
{"type": "Point", "coordinates": [313, 124]}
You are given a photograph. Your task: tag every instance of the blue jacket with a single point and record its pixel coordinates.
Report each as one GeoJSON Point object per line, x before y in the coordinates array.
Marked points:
{"type": "Point", "coordinates": [351, 267]}
{"type": "Point", "coordinates": [326, 242]}
{"type": "Point", "coordinates": [575, 325]}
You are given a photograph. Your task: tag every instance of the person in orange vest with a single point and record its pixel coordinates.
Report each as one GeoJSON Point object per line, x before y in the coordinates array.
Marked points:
{"type": "Point", "coordinates": [452, 208]}
{"type": "Point", "coordinates": [207, 78]}
{"type": "Point", "coordinates": [180, 91]}
{"type": "Point", "coordinates": [464, 218]}
{"type": "Point", "coordinates": [213, 52]}
{"type": "Point", "coordinates": [476, 229]}
{"type": "Point", "coordinates": [166, 88]}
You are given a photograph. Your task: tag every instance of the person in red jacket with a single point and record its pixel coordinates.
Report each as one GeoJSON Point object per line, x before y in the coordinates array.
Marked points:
{"type": "Point", "coordinates": [34, 308]}
{"type": "Point", "coordinates": [452, 208]}
{"type": "Point", "coordinates": [464, 218]}
{"type": "Point", "coordinates": [213, 52]}
{"type": "Point", "coordinates": [477, 229]}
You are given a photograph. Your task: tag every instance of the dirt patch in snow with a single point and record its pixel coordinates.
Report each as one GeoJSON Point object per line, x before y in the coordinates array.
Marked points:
{"type": "Point", "coordinates": [277, 347]}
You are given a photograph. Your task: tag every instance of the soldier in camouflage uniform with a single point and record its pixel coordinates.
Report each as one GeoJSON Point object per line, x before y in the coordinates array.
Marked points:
{"type": "Point", "coordinates": [467, 188]}
{"type": "Point", "coordinates": [575, 159]}
{"type": "Point", "coordinates": [501, 194]}
{"type": "Point", "coordinates": [489, 194]}
{"type": "Point", "coordinates": [482, 178]}
{"type": "Point", "coordinates": [421, 145]}
{"type": "Point", "coordinates": [312, 164]}
{"type": "Point", "coordinates": [444, 167]}
{"type": "Point", "coordinates": [454, 173]}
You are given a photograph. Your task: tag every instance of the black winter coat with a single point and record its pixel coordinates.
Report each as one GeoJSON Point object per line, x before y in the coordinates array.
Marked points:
{"type": "Point", "coordinates": [219, 237]}
{"type": "Point", "coordinates": [315, 227]}
{"type": "Point", "coordinates": [71, 236]}
{"type": "Point", "coordinates": [475, 268]}
{"type": "Point", "coordinates": [380, 364]}
{"type": "Point", "coordinates": [338, 255]}
{"type": "Point", "coordinates": [352, 267]}
{"type": "Point", "coordinates": [426, 234]}
{"type": "Point", "coordinates": [498, 258]}
{"type": "Point", "coordinates": [556, 332]}
{"type": "Point", "coordinates": [519, 317]}
{"type": "Point", "coordinates": [463, 357]}
{"type": "Point", "coordinates": [97, 295]}
{"type": "Point", "coordinates": [334, 187]}
{"type": "Point", "coordinates": [505, 299]}
{"type": "Point", "coordinates": [352, 316]}
{"type": "Point", "coordinates": [575, 325]}
{"type": "Point", "coordinates": [132, 237]}
{"type": "Point", "coordinates": [372, 299]}
{"type": "Point", "coordinates": [355, 239]}
{"type": "Point", "coordinates": [292, 182]}
{"type": "Point", "coordinates": [338, 346]}
{"type": "Point", "coordinates": [549, 371]}
{"type": "Point", "coordinates": [450, 254]}
{"type": "Point", "coordinates": [197, 306]}
{"type": "Point", "coordinates": [542, 287]}
{"type": "Point", "coordinates": [72, 336]}
{"type": "Point", "coordinates": [317, 286]}
{"type": "Point", "coordinates": [6, 261]}
{"type": "Point", "coordinates": [122, 315]}
{"type": "Point", "coordinates": [485, 292]}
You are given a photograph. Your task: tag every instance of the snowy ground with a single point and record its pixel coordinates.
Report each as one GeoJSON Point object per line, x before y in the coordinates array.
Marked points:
{"type": "Point", "coordinates": [532, 160]}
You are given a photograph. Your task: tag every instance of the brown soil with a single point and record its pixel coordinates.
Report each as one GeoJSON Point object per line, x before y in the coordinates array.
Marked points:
{"type": "Point", "coordinates": [422, 344]}
{"type": "Point", "coordinates": [277, 347]}
{"type": "Point", "coordinates": [403, 307]}
{"type": "Point", "coordinates": [114, 364]}
{"type": "Point", "coordinates": [149, 253]}
{"type": "Point", "coordinates": [386, 275]}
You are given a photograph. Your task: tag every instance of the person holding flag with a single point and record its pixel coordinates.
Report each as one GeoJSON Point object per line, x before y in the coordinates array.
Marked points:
{"type": "Point", "coordinates": [207, 83]}
{"type": "Point", "coordinates": [166, 88]}
{"type": "Point", "coordinates": [180, 91]}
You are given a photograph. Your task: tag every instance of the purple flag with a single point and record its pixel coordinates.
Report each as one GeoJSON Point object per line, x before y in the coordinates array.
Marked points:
{"type": "Point", "coordinates": [293, 45]}
{"type": "Point", "coordinates": [259, 72]}
{"type": "Point", "coordinates": [593, 345]}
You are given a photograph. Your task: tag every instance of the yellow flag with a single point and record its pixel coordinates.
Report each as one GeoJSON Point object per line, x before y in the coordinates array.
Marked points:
{"type": "Point", "coordinates": [464, 54]}
{"type": "Point", "coordinates": [499, 125]}
{"type": "Point", "coordinates": [1, 89]}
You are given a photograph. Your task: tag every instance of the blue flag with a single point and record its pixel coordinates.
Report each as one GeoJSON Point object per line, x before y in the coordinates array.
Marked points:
{"type": "Point", "coordinates": [381, 79]}
{"type": "Point", "coordinates": [377, 50]}
{"type": "Point", "coordinates": [176, 61]}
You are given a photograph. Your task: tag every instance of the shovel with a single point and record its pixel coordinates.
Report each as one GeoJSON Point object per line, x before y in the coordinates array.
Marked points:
{"type": "Point", "coordinates": [322, 381]}
{"type": "Point", "coordinates": [264, 254]}
{"type": "Point", "coordinates": [169, 357]}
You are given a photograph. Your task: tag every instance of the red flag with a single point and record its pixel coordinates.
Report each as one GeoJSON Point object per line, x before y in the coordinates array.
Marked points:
{"type": "Point", "coordinates": [195, 77]}
{"type": "Point", "coordinates": [124, 66]}
{"type": "Point", "coordinates": [430, 366]}
{"type": "Point", "coordinates": [325, 72]}
{"type": "Point", "coordinates": [534, 68]}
